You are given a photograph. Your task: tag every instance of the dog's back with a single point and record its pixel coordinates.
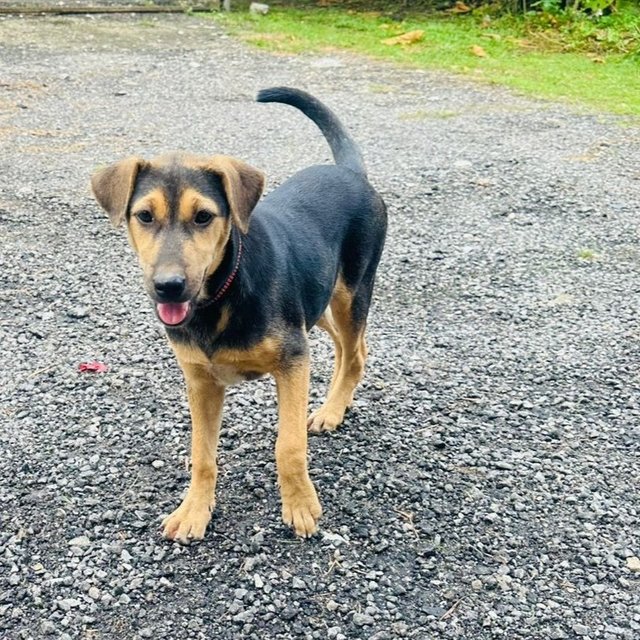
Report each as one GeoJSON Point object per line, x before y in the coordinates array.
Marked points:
{"type": "Point", "coordinates": [328, 216]}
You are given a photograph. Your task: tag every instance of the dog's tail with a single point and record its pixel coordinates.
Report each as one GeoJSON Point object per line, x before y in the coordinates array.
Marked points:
{"type": "Point", "coordinates": [344, 149]}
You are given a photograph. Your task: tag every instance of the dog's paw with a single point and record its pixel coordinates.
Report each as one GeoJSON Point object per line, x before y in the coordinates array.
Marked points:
{"type": "Point", "coordinates": [326, 418]}
{"type": "Point", "coordinates": [301, 510]}
{"type": "Point", "coordinates": [189, 521]}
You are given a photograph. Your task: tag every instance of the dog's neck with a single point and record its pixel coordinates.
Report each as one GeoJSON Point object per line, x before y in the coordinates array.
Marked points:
{"type": "Point", "coordinates": [224, 277]}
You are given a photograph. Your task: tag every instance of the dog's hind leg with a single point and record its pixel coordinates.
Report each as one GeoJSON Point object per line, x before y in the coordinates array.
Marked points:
{"type": "Point", "coordinates": [347, 330]}
{"type": "Point", "coordinates": [328, 324]}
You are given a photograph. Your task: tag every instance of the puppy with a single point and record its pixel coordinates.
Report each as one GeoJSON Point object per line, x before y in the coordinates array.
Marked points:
{"type": "Point", "coordinates": [238, 283]}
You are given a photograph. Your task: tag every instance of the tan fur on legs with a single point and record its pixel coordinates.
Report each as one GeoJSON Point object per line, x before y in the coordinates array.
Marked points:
{"type": "Point", "coordinates": [300, 506]}
{"type": "Point", "coordinates": [327, 323]}
{"type": "Point", "coordinates": [206, 397]}
{"type": "Point", "coordinates": [353, 354]}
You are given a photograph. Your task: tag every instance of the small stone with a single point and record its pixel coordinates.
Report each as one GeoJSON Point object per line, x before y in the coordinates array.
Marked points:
{"type": "Point", "coordinates": [332, 605]}
{"type": "Point", "coordinates": [289, 613]}
{"type": "Point", "coordinates": [259, 8]}
{"type": "Point", "coordinates": [78, 312]}
{"type": "Point", "coordinates": [633, 564]}
{"type": "Point", "coordinates": [257, 540]}
{"type": "Point", "coordinates": [94, 593]}
{"type": "Point", "coordinates": [250, 563]}
{"type": "Point", "coordinates": [362, 619]}
{"type": "Point", "coordinates": [580, 629]}
{"type": "Point", "coordinates": [157, 464]}
{"type": "Point", "coordinates": [81, 541]}
{"type": "Point", "coordinates": [298, 583]}
{"type": "Point", "coordinates": [68, 603]}
{"type": "Point", "coordinates": [333, 538]}
{"type": "Point", "coordinates": [244, 616]}
{"type": "Point", "coordinates": [147, 632]}
{"type": "Point", "coordinates": [258, 581]}
{"type": "Point", "coordinates": [47, 627]}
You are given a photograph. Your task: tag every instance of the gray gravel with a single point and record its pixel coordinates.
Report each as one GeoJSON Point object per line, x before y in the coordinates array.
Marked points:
{"type": "Point", "coordinates": [485, 484]}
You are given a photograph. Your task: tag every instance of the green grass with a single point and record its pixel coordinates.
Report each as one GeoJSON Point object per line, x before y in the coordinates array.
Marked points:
{"type": "Point", "coordinates": [588, 255]}
{"type": "Point", "coordinates": [578, 61]}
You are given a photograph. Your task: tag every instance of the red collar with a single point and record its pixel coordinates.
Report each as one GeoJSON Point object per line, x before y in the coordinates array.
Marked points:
{"type": "Point", "coordinates": [232, 275]}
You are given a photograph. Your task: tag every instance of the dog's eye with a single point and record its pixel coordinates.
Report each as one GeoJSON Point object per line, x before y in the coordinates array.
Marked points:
{"type": "Point", "coordinates": [144, 217]}
{"type": "Point", "coordinates": [203, 218]}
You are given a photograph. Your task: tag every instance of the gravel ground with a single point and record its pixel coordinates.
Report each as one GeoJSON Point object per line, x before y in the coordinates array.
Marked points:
{"type": "Point", "coordinates": [485, 484]}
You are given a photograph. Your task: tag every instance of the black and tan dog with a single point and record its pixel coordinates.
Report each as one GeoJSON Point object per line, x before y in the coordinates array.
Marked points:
{"type": "Point", "coordinates": [238, 285]}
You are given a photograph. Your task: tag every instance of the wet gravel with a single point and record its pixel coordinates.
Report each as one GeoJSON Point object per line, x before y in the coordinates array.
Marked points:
{"type": "Point", "coordinates": [485, 484]}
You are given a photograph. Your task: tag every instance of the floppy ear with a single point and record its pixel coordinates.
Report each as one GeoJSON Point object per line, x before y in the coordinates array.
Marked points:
{"type": "Point", "coordinates": [242, 185]}
{"type": "Point", "coordinates": [113, 187]}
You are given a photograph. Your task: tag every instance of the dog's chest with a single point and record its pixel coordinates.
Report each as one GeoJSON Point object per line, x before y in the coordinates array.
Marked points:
{"type": "Point", "coordinates": [230, 367]}
{"type": "Point", "coordinates": [226, 374]}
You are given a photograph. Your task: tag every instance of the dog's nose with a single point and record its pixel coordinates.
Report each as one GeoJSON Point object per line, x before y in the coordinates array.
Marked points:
{"type": "Point", "coordinates": [169, 288]}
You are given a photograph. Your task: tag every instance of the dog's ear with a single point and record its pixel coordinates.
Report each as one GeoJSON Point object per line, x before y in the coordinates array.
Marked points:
{"type": "Point", "coordinates": [242, 185]}
{"type": "Point", "coordinates": [113, 187]}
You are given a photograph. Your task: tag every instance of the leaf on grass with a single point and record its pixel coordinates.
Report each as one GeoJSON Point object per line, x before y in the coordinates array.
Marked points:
{"type": "Point", "coordinates": [411, 37]}
{"type": "Point", "coordinates": [523, 43]}
{"type": "Point", "coordinates": [460, 7]}
{"type": "Point", "coordinates": [92, 367]}
{"type": "Point", "coordinates": [477, 50]}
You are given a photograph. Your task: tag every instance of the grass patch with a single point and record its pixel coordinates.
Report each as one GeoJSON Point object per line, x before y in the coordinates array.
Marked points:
{"type": "Point", "coordinates": [588, 255]}
{"type": "Point", "coordinates": [587, 62]}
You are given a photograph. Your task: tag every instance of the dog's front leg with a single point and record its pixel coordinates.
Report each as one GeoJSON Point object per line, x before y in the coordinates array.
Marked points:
{"type": "Point", "coordinates": [300, 506]}
{"type": "Point", "coordinates": [206, 397]}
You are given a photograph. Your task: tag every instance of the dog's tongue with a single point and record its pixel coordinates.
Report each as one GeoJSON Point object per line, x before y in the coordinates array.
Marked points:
{"type": "Point", "coordinates": [173, 312]}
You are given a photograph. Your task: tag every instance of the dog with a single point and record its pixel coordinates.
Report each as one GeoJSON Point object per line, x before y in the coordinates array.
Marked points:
{"type": "Point", "coordinates": [238, 283]}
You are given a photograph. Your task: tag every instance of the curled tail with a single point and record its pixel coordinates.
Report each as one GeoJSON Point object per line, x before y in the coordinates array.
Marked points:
{"type": "Point", "coordinates": [344, 149]}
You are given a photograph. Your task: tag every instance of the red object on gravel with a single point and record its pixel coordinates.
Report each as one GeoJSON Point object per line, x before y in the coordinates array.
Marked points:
{"type": "Point", "coordinates": [92, 367]}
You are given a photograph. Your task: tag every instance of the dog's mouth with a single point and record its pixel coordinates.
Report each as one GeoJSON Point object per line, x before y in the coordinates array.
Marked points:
{"type": "Point", "coordinates": [173, 314]}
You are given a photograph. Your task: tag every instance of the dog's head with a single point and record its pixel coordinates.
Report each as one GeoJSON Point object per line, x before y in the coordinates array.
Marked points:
{"type": "Point", "coordinates": [180, 211]}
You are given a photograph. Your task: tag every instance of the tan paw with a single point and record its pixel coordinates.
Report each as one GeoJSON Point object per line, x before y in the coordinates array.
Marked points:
{"type": "Point", "coordinates": [325, 418]}
{"type": "Point", "coordinates": [301, 510]}
{"type": "Point", "coordinates": [189, 521]}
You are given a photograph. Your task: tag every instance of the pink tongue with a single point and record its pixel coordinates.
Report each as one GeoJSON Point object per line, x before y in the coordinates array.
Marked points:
{"type": "Point", "coordinates": [173, 312]}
